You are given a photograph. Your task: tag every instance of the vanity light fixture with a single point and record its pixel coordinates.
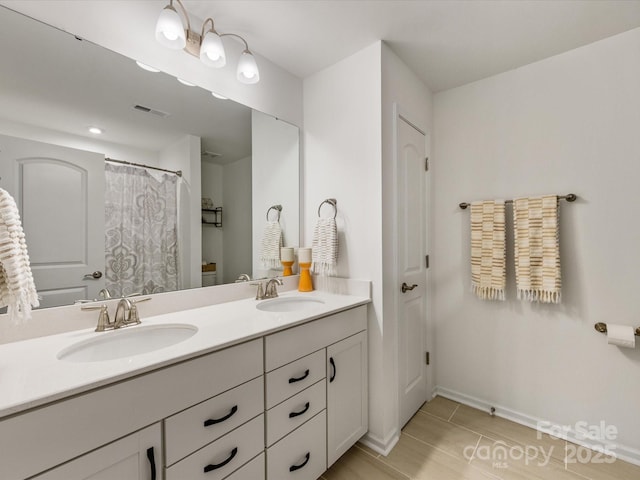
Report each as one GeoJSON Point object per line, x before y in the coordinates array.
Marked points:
{"type": "Point", "coordinates": [217, 95]}
{"type": "Point", "coordinates": [188, 84]}
{"type": "Point", "coordinates": [95, 130]}
{"type": "Point", "coordinates": [207, 45]}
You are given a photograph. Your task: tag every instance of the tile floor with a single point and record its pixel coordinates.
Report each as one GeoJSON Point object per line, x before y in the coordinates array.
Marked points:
{"type": "Point", "coordinates": [449, 441]}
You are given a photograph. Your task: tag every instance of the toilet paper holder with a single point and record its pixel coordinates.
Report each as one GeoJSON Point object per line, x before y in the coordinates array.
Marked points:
{"type": "Point", "coordinates": [602, 328]}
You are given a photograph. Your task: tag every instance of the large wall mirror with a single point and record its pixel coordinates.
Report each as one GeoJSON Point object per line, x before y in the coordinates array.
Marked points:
{"type": "Point", "coordinates": [236, 164]}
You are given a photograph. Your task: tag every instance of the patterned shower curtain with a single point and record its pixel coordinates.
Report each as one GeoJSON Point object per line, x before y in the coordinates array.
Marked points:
{"type": "Point", "coordinates": [141, 234]}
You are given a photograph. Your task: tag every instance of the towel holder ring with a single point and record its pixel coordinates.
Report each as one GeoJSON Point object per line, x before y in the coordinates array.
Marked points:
{"type": "Point", "coordinates": [277, 208]}
{"type": "Point", "coordinates": [333, 202]}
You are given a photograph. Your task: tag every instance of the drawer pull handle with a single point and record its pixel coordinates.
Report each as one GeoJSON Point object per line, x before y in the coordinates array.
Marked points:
{"type": "Point", "coordinates": [210, 467]}
{"type": "Point", "coordinates": [152, 462]}
{"type": "Point", "coordinates": [301, 412]}
{"type": "Point", "coordinates": [213, 421]}
{"type": "Point", "coordinates": [333, 366]}
{"type": "Point", "coordinates": [293, 468]}
{"type": "Point", "coordinates": [299, 379]}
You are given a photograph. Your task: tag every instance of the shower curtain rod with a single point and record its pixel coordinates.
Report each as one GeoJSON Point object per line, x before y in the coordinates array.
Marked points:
{"type": "Point", "coordinates": [124, 162]}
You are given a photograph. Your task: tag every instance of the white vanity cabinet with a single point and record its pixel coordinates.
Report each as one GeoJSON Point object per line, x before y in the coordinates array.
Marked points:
{"type": "Point", "coordinates": [42, 438]}
{"type": "Point", "coordinates": [316, 391]}
{"type": "Point", "coordinates": [347, 395]}
{"type": "Point", "coordinates": [281, 406]}
{"type": "Point", "coordinates": [135, 457]}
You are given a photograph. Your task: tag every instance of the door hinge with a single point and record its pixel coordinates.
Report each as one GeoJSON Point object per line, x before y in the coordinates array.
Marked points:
{"type": "Point", "coordinates": [426, 261]}
{"type": "Point", "coordinates": [426, 164]}
{"type": "Point", "coordinates": [427, 359]}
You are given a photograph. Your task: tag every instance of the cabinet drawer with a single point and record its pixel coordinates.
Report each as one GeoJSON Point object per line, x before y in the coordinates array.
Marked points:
{"type": "Point", "coordinates": [284, 347]}
{"type": "Point", "coordinates": [295, 377]}
{"type": "Point", "coordinates": [201, 424]}
{"type": "Point", "coordinates": [293, 412]}
{"type": "Point", "coordinates": [254, 470]}
{"type": "Point", "coordinates": [217, 460]}
{"type": "Point", "coordinates": [301, 455]}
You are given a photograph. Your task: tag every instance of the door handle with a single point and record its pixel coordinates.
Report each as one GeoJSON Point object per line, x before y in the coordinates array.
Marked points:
{"type": "Point", "coordinates": [93, 276]}
{"type": "Point", "coordinates": [406, 288]}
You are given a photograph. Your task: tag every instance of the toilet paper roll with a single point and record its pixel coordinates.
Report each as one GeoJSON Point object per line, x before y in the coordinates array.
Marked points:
{"type": "Point", "coordinates": [621, 335]}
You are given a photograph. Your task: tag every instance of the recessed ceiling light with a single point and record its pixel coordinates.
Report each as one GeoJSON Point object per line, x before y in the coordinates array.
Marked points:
{"type": "Point", "coordinates": [95, 130]}
{"type": "Point", "coordinates": [147, 67]}
{"type": "Point", "coordinates": [188, 84]}
{"type": "Point", "coordinates": [217, 95]}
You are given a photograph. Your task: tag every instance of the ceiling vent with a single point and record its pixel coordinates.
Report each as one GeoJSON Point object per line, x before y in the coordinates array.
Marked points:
{"type": "Point", "coordinates": [151, 111]}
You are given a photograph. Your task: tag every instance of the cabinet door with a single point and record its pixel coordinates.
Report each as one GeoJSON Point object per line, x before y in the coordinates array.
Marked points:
{"type": "Point", "coordinates": [347, 395]}
{"type": "Point", "coordinates": [135, 457]}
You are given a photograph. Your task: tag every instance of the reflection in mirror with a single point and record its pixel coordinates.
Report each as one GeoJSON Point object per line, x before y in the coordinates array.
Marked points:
{"type": "Point", "coordinates": [235, 163]}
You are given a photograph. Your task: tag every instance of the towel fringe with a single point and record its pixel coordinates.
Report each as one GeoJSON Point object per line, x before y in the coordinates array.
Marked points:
{"type": "Point", "coordinates": [488, 293]}
{"type": "Point", "coordinates": [538, 295]}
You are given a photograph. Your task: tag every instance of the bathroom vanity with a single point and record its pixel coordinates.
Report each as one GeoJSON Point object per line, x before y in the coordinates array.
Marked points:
{"type": "Point", "coordinates": [274, 392]}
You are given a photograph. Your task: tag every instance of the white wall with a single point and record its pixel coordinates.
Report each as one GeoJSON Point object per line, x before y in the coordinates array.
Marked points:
{"type": "Point", "coordinates": [212, 182]}
{"type": "Point", "coordinates": [127, 27]}
{"type": "Point", "coordinates": [275, 173]}
{"type": "Point", "coordinates": [236, 219]}
{"type": "Point", "coordinates": [566, 124]}
{"type": "Point", "coordinates": [342, 160]}
{"type": "Point", "coordinates": [184, 155]}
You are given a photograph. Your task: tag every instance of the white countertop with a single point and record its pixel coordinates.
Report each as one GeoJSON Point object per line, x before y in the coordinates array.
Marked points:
{"type": "Point", "coordinates": [31, 375]}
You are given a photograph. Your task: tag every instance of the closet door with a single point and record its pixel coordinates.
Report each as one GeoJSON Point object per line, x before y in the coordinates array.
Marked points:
{"type": "Point", "coordinates": [60, 194]}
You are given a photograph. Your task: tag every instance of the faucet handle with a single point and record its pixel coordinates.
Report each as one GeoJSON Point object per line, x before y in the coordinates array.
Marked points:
{"type": "Point", "coordinates": [134, 317]}
{"type": "Point", "coordinates": [103, 319]}
{"type": "Point", "coordinates": [260, 292]}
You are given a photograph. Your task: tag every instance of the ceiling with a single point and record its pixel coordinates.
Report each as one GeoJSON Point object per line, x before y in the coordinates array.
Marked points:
{"type": "Point", "coordinates": [448, 43]}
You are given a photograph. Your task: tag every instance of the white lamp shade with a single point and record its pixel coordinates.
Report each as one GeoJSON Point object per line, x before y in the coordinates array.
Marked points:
{"type": "Point", "coordinates": [248, 68]}
{"type": "Point", "coordinates": [169, 29]}
{"type": "Point", "coordinates": [212, 51]}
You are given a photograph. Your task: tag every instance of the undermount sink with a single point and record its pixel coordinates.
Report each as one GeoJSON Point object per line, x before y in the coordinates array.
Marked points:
{"type": "Point", "coordinates": [289, 304]}
{"type": "Point", "coordinates": [127, 342]}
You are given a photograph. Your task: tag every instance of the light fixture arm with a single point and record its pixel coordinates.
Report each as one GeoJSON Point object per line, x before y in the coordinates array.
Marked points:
{"type": "Point", "coordinates": [204, 26]}
{"type": "Point", "coordinates": [184, 12]}
{"type": "Point", "coordinates": [246, 45]}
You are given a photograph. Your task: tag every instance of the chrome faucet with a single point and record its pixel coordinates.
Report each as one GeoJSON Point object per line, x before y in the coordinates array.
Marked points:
{"type": "Point", "coordinates": [271, 290]}
{"type": "Point", "coordinates": [243, 277]}
{"type": "Point", "coordinates": [126, 314]}
{"type": "Point", "coordinates": [268, 290]}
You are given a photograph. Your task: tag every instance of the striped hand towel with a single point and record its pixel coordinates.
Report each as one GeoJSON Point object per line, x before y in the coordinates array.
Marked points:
{"type": "Point", "coordinates": [537, 248]}
{"type": "Point", "coordinates": [325, 247]}
{"type": "Point", "coordinates": [271, 243]}
{"type": "Point", "coordinates": [17, 289]}
{"type": "Point", "coordinates": [488, 250]}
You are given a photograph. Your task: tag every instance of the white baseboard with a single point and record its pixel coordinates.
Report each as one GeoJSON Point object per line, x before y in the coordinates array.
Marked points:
{"type": "Point", "coordinates": [622, 452]}
{"type": "Point", "coordinates": [383, 447]}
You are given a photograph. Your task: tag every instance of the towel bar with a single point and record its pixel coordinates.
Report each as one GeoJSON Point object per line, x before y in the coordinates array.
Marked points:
{"type": "Point", "coordinates": [333, 202]}
{"type": "Point", "coordinates": [602, 328]}
{"type": "Point", "coordinates": [277, 208]}
{"type": "Point", "coordinates": [570, 197]}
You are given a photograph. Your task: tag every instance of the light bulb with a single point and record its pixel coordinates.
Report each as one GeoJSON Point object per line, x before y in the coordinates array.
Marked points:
{"type": "Point", "coordinates": [248, 69]}
{"type": "Point", "coordinates": [217, 95]}
{"type": "Point", "coordinates": [212, 51]}
{"type": "Point", "coordinates": [95, 130]}
{"type": "Point", "coordinates": [169, 29]}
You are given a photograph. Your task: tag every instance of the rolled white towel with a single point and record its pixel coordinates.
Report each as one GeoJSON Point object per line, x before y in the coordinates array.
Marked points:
{"type": "Point", "coordinates": [17, 288]}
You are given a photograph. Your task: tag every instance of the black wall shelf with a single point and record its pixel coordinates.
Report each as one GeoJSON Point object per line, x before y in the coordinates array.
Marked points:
{"type": "Point", "coordinates": [212, 216]}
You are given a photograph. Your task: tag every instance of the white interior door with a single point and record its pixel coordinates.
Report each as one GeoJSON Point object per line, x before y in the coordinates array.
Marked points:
{"type": "Point", "coordinates": [60, 195]}
{"type": "Point", "coordinates": [411, 272]}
